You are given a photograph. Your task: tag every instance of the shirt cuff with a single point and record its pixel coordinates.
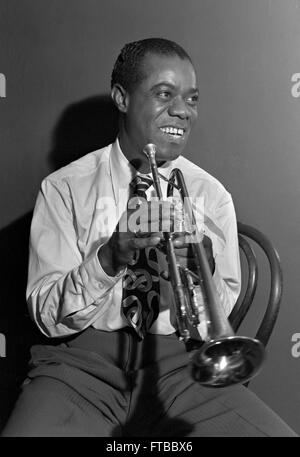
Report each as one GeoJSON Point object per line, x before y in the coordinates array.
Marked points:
{"type": "Point", "coordinates": [96, 281]}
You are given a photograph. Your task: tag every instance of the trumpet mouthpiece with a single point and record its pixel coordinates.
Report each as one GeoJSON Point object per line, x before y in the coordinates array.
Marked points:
{"type": "Point", "coordinates": [150, 150]}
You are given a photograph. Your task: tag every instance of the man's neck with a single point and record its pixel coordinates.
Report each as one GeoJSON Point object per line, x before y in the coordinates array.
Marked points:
{"type": "Point", "coordinates": [135, 158]}
{"type": "Point", "coordinates": [138, 160]}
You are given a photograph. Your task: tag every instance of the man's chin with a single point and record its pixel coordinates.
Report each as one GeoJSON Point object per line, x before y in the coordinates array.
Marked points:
{"type": "Point", "coordinates": [167, 151]}
{"type": "Point", "coordinates": [168, 156]}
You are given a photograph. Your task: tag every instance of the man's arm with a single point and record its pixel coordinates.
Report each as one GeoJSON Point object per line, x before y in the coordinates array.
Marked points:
{"type": "Point", "coordinates": [227, 275]}
{"type": "Point", "coordinates": [60, 281]}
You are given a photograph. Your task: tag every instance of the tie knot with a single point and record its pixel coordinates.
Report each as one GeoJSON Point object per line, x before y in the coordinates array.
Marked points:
{"type": "Point", "coordinates": [140, 184]}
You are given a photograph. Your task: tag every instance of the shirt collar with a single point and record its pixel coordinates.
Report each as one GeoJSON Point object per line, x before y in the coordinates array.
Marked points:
{"type": "Point", "coordinates": [122, 172]}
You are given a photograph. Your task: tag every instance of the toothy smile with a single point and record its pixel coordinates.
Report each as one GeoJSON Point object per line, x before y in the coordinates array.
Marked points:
{"type": "Point", "coordinates": [174, 131]}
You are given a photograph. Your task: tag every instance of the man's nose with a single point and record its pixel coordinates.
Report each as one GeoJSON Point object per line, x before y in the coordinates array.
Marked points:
{"type": "Point", "coordinates": [179, 108]}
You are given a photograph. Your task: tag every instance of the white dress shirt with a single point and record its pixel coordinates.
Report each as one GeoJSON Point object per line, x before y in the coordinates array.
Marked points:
{"type": "Point", "coordinates": [77, 210]}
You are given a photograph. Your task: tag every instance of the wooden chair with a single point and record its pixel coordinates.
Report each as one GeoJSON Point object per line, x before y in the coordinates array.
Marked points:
{"type": "Point", "coordinates": [249, 237]}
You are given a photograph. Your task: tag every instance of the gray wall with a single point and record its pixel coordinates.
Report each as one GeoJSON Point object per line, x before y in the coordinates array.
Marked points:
{"type": "Point", "coordinates": [57, 52]}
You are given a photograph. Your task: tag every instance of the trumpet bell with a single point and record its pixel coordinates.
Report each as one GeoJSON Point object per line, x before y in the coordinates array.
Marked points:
{"type": "Point", "coordinates": [227, 361]}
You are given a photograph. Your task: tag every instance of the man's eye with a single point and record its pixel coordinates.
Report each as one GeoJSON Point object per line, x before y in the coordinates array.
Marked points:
{"type": "Point", "coordinates": [193, 100]}
{"type": "Point", "coordinates": [165, 94]}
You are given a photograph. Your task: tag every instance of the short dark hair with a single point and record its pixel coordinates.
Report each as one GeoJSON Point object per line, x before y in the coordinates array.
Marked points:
{"type": "Point", "coordinates": [127, 70]}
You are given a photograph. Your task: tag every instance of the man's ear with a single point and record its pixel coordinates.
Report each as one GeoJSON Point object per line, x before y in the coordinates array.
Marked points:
{"type": "Point", "coordinates": [120, 97]}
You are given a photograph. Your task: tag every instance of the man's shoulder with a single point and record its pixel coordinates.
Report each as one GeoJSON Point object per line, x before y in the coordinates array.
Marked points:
{"type": "Point", "coordinates": [87, 165]}
{"type": "Point", "coordinates": [193, 173]}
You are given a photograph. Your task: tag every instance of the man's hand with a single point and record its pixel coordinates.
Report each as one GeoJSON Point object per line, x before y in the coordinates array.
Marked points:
{"type": "Point", "coordinates": [139, 227]}
{"type": "Point", "coordinates": [184, 252]}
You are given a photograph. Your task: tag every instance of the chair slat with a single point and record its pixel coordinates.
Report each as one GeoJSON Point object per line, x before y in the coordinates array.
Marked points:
{"type": "Point", "coordinates": [276, 281]}
{"type": "Point", "coordinates": [242, 306]}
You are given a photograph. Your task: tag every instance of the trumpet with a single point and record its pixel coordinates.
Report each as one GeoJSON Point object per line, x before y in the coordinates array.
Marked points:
{"type": "Point", "coordinates": [224, 358]}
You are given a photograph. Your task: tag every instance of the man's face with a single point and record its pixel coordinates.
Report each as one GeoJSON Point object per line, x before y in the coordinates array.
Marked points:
{"type": "Point", "coordinates": [161, 109]}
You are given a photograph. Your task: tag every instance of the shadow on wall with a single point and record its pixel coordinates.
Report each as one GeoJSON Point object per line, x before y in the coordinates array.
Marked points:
{"type": "Point", "coordinates": [83, 127]}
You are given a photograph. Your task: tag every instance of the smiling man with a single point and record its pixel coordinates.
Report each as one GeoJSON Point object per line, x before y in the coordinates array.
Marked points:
{"type": "Point", "coordinates": [160, 109]}
{"type": "Point", "coordinates": [99, 287]}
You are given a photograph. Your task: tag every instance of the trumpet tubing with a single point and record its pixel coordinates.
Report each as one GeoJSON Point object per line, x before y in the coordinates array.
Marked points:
{"type": "Point", "coordinates": [224, 358]}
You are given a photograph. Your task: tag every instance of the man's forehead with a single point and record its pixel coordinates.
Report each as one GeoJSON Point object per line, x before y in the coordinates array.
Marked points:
{"type": "Point", "coordinates": [157, 60]}
{"type": "Point", "coordinates": [159, 68]}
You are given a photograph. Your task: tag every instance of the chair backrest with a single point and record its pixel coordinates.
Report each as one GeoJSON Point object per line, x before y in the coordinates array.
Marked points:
{"type": "Point", "coordinates": [249, 239]}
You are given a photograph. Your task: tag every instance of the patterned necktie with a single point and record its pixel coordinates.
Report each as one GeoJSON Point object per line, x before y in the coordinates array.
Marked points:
{"type": "Point", "coordinates": [140, 301]}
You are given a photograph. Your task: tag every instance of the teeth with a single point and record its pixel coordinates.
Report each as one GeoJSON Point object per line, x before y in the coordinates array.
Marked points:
{"type": "Point", "coordinates": [172, 131]}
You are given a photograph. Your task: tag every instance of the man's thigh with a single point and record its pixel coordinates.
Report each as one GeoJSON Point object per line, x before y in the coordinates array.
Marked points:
{"type": "Point", "coordinates": [48, 407]}
{"type": "Point", "coordinates": [233, 411]}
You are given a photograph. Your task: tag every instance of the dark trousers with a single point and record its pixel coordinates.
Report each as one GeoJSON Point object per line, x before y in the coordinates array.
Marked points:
{"type": "Point", "coordinates": [111, 384]}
